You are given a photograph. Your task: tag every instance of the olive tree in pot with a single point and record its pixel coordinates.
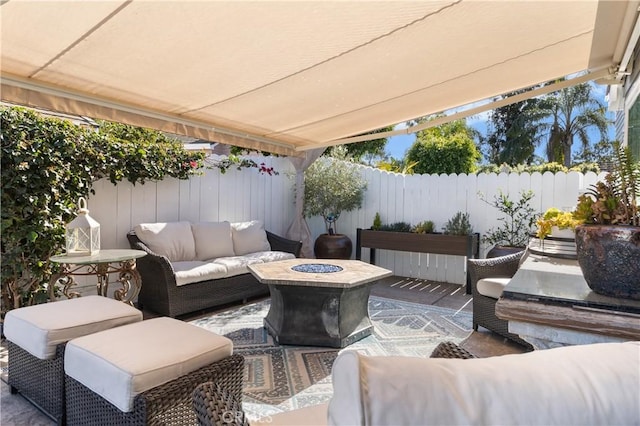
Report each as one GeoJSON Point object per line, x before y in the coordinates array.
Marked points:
{"type": "Point", "coordinates": [608, 244]}
{"type": "Point", "coordinates": [332, 185]}
{"type": "Point", "coordinates": [516, 224]}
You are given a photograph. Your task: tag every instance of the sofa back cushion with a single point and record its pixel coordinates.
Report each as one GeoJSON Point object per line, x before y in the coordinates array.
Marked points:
{"type": "Point", "coordinates": [249, 237]}
{"type": "Point", "coordinates": [212, 239]}
{"type": "Point", "coordinates": [585, 384]}
{"type": "Point", "coordinates": [172, 239]}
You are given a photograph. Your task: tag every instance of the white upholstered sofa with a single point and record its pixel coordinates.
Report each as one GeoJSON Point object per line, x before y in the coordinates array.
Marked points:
{"type": "Point", "coordinates": [195, 266]}
{"type": "Point", "coordinates": [593, 384]}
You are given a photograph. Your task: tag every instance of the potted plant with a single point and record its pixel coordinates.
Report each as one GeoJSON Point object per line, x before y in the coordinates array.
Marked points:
{"type": "Point", "coordinates": [332, 185]}
{"type": "Point", "coordinates": [608, 244]}
{"type": "Point", "coordinates": [515, 226]}
{"type": "Point", "coordinates": [459, 224]}
{"type": "Point", "coordinates": [557, 223]}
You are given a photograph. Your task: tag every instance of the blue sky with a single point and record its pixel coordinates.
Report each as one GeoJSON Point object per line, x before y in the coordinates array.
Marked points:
{"type": "Point", "coordinates": [398, 145]}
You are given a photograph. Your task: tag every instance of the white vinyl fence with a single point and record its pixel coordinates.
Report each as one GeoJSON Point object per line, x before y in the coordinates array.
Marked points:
{"type": "Point", "coordinates": [246, 194]}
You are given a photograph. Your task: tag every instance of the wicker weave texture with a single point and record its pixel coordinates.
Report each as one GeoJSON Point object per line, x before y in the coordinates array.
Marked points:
{"type": "Point", "coordinates": [161, 294]}
{"type": "Point", "coordinates": [40, 381]}
{"type": "Point", "coordinates": [484, 308]}
{"type": "Point", "coordinates": [215, 405]}
{"type": "Point", "coordinates": [451, 350]}
{"type": "Point", "coordinates": [167, 404]}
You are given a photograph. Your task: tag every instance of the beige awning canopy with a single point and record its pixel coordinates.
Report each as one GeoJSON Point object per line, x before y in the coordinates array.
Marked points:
{"type": "Point", "coordinates": [291, 76]}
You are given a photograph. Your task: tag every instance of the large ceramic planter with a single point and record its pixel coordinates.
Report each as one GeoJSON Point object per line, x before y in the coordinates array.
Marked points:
{"type": "Point", "coordinates": [609, 257]}
{"type": "Point", "coordinates": [334, 246]}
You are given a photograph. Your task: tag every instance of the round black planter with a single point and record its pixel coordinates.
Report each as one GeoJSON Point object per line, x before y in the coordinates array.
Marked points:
{"type": "Point", "coordinates": [609, 256]}
{"type": "Point", "coordinates": [336, 246]}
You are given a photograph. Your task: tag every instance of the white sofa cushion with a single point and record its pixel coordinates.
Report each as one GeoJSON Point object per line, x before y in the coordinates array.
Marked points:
{"type": "Point", "coordinates": [271, 256]}
{"type": "Point", "coordinates": [195, 271]}
{"type": "Point", "coordinates": [212, 240]}
{"type": "Point", "coordinates": [492, 287]}
{"type": "Point", "coordinates": [120, 363]}
{"type": "Point", "coordinates": [40, 328]}
{"type": "Point", "coordinates": [249, 237]}
{"type": "Point", "coordinates": [172, 239]}
{"type": "Point", "coordinates": [577, 385]}
{"type": "Point", "coordinates": [314, 415]}
{"type": "Point", "coordinates": [237, 265]}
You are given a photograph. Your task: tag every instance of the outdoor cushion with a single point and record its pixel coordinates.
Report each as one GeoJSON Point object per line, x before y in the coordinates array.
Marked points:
{"type": "Point", "coordinates": [492, 287]}
{"type": "Point", "coordinates": [237, 265]}
{"type": "Point", "coordinates": [212, 240]}
{"type": "Point", "coordinates": [38, 329]}
{"type": "Point", "coordinates": [271, 256]}
{"type": "Point", "coordinates": [249, 237]}
{"type": "Point", "coordinates": [173, 239]}
{"type": "Point", "coordinates": [195, 271]}
{"type": "Point", "coordinates": [120, 363]}
{"type": "Point", "coordinates": [577, 385]}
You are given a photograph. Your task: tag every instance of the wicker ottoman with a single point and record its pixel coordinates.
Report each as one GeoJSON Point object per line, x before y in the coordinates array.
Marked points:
{"type": "Point", "coordinates": [37, 336]}
{"type": "Point", "coordinates": [145, 373]}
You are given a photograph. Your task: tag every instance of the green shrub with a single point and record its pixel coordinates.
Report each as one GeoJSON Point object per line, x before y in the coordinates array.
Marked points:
{"type": "Point", "coordinates": [459, 224]}
{"type": "Point", "coordinates": [439, 154]}
{"type": "Point", "coordinates": [424, 227]}
{"type": "Point", "coordinates": [396, 227]}
{"type": "Point", "coordinates": [377, 222]}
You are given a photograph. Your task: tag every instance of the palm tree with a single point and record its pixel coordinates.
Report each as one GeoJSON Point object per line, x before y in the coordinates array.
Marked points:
{"type": "Point", "coordinates": [574, 111]}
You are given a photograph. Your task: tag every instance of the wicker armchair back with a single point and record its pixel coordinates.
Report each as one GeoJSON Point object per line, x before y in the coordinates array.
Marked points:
{"type": "Point", "coordinates": [484, 308]}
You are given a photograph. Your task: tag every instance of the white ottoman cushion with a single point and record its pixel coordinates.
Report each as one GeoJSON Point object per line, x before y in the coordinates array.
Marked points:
{"type": "Point", "coordinates": [492, 287]}
{"type": "Point", "coordinates": [121, 363]}
{"type": "Point", "coordinates": [40, 328]}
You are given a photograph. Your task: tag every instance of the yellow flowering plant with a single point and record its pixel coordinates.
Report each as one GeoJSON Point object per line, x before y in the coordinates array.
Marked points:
{"type": "Point", "coordinates": [556, 217]}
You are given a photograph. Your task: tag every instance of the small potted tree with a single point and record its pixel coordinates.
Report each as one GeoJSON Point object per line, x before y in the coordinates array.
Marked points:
{"type": "Point", "coordinates": [516, 224]}
{"type": "Point", "coordinates": [332, 185]}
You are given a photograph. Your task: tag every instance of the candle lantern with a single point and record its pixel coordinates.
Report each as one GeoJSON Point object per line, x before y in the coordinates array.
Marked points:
{"type": "Point", "coordinates": [82, 237]}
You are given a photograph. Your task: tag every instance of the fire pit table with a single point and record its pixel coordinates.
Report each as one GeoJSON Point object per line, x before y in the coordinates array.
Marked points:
{"type": "Point", "coordinates": [318, 302]}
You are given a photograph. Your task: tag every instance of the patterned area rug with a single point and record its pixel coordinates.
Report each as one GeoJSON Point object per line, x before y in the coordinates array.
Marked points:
{"type": "Point", "coordinates": [283, 378]}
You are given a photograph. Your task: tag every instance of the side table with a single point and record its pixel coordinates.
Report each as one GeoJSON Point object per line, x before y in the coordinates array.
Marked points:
{"type": "Point", "coordinates": [105, 262]}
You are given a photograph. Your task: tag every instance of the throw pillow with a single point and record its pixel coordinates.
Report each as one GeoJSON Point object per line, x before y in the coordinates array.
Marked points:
{"type": "Point", "coordinates": [212, 239]}
{"type": "Point", "coordinates": [249, 237]}
{"type": "Point", "coordinates": [173, 239]}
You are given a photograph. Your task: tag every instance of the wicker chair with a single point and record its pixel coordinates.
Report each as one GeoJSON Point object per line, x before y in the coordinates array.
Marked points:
{"type": "Point", "coordinates": [484, 308]}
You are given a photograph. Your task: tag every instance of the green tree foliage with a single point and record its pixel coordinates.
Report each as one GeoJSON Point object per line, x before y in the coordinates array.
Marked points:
{"type": "Point", "coordinates": [333, 185]}
{"type": "Point", "coordinates": [448, 148]}
{"type": "Point", "coordinates": [568, 114]}
{"type": "Point", "coordinates": [367, 151]}
{"type": "Point", "coordinates": [47, 164]}
{"type": "Point", "coordinates": [512, 137]}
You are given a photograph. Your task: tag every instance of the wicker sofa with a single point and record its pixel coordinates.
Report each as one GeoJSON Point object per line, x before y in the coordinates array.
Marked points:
{"type": "Point", "coordinates": [195, 266]}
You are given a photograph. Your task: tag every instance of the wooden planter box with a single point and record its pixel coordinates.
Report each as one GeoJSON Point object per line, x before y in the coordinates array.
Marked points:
{"type": "Point", "coordinates": [455, 245]}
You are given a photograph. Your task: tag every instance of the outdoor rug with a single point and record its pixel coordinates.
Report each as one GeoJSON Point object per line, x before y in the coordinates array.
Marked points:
{"type": "Point", "coordinates": [282, 378]}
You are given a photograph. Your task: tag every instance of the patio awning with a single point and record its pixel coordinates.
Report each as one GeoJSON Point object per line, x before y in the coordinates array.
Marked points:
{"type": "Point", "coordinates": [291, 76]}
